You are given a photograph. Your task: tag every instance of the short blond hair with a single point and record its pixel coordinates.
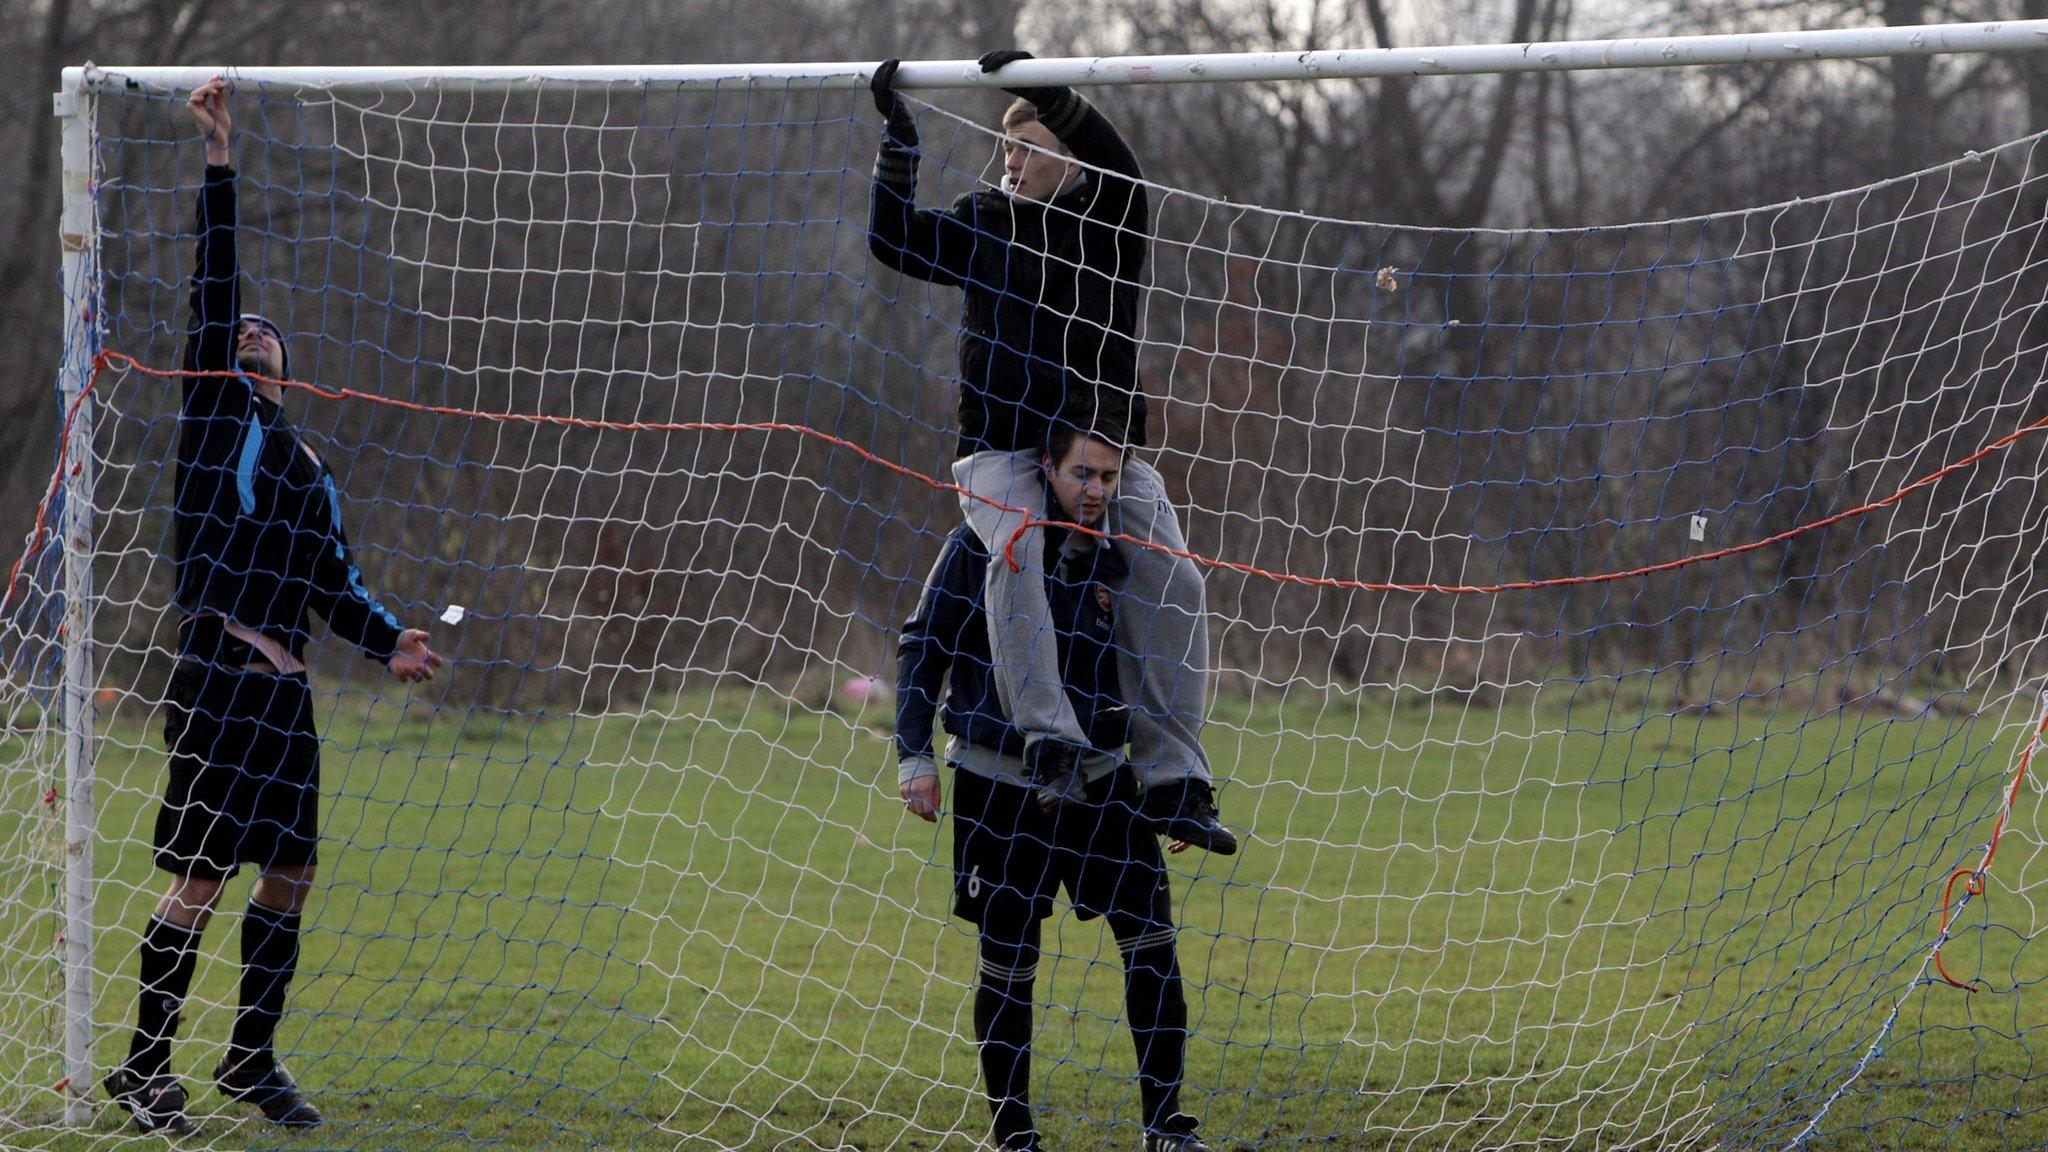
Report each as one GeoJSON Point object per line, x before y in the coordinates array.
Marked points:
{"type": "Point", "coordinates": [1020, 112]}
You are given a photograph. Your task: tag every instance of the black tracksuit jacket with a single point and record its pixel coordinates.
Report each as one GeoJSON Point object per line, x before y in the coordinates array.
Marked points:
{"type": "Point", "coordinates": [257, 531]}
{"type": "Point", "coordinates": [1049, 321]}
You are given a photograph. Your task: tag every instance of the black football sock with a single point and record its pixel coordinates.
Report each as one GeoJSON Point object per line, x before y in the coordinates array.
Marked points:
{"type": "Point", "coordinates": [1002, 1029]}
{"type": "Point", "coordinates": [1158, 1013]}
{"type": "Point", "coordinates": [270, 957]}
{"type": "Point", "coordinates": [170, 952]}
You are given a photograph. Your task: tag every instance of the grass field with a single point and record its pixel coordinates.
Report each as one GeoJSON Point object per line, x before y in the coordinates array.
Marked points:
{"type": "Point", "coordinates": [1557, 924]}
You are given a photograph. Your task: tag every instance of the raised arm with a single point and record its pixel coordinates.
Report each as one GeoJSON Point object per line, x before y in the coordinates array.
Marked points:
{"type": "Point", "coordinates": [1093, 140]}
{"type": "Point", "coordinates": [216, 299]}
{"type": "Point", "coordinates": [923, 243]}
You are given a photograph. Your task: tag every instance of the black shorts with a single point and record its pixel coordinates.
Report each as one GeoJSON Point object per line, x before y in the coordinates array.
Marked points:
{"type": "Point", "coordinates": [1009, 858]}
{"type": "Point", "coordinates": [244, 780]}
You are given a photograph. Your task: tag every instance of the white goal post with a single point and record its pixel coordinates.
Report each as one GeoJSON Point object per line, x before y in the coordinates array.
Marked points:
{"type": "Point", "coordinates": [1355, 63]}
{"type": "Point", "coordinates": [1390, 1091]}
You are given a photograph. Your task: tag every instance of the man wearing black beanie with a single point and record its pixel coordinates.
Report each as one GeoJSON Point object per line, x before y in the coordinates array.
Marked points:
{"type": "Point", "coordinates": [258, 542]}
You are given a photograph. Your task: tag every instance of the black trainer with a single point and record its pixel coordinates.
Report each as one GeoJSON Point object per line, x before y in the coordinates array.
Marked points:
{"type": "Point", "coordinates": [1185, 810]}
{"type": "Point", "coordinates": [156, 1102]}
{"type": "Point", "coordinates": [1053, 769]}
{"type": "Point", "coordinates": [1178, 1134]}
{"type": "Point", "coordinates": [1025, 1143]}
{"type": "Point", "coordinates": [270, 1088]}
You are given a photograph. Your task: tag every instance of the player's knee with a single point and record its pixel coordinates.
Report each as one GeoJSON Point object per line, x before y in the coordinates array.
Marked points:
{"type": "Point", "coordinates": [283, 889]}
{"type": "Point", "coordinates": [189, 901]}
{"type": "Point", "coordinates": [1008, 964]}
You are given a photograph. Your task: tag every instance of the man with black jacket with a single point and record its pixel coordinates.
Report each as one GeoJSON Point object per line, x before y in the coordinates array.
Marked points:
{"type": "Point", "coordinates": [1051, 268]}
{"type": "Point", "coordinates": [1010, 856]}
{"type": "Point", "coordinates": [258, 541]}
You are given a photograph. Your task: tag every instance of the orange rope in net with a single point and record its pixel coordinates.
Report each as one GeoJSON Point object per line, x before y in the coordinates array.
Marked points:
{"type": "Point", "coordinates": [108, 359]}
{"type": "Point", "coordinates": [1975, 888]}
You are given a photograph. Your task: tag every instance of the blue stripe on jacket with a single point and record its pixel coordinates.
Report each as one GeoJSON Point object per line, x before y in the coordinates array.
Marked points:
{"type": "Point", "coordinates": [252, 455]}
{"type": "Point", "coordinates": [355, 575]}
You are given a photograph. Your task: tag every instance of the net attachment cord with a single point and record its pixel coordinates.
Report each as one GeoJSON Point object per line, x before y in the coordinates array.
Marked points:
{"type": "Point", "coordinates": [109, 359]}
{"type": "Point", "coordinates": [1975, 888]}
{"type": "Point", "coordinates": [40, 536]}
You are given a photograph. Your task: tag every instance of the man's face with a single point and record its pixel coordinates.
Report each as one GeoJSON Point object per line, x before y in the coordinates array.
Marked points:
{"type": "Point", "coordinates": [257, 351]}
{"type": "Point", "coordinates": [1035, 164]}
{"type": "Point", "coordinates": [1084, 482]}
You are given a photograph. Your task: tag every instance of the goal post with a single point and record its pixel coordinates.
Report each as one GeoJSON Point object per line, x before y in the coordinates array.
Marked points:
{"type": "Point", "coordinates": [1202, 68]}
{"type": "Point", "coordinates": [1625, 638]}
{"type": "Point", "coordinates": [74, 108]}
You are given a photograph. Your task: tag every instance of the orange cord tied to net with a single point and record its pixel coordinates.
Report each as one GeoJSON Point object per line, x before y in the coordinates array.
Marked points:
{"type": "Point", "coordinates": [1975, 888]}
{"type": "Point", "coordinates": [106, 359]}
{"type": "Point", "coordinates": [1934, 477]}
{"type": "Point", "coordinates": [111, 359]}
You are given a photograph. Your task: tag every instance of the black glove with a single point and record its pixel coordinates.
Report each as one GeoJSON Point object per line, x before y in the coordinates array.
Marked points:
{"type": "Point", "coordinates": [899, 126]}
{"type": "Point", "coordinates": [1041, 98]}
{"type": "Point", "coordinates": [992, 61]}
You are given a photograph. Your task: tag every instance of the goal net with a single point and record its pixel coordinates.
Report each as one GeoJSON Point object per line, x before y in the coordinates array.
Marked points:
{"type": "Point", "coordinates": [1622, 639]}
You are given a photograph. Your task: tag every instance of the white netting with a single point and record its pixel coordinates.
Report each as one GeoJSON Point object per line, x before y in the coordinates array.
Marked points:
{"type": "Point", "coordinates": [1655, 861]}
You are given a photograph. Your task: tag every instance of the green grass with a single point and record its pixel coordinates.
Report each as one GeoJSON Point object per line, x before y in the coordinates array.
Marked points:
{"type": "Point", "coordinates": [1556, 924]}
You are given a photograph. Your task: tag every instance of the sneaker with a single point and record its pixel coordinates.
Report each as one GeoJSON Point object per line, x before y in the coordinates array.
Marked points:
{"type": "Point", "coordinates": [1025, 1143]}
{"type": "Point", "coordinates": [1178, 1134]}
{"type": "Point", "coordinates": [157, 1103]}
{"type": "Point", "coordinates": [270, 1088]}
{"type": "Point", "coordinates": [1053, 769]}
{"type": "Point", "coordinates": [1185, 810]}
